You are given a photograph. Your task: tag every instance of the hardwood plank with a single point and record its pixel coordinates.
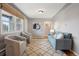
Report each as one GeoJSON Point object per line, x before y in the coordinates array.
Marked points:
{"type": "Point", "coordinates": [68, 53]}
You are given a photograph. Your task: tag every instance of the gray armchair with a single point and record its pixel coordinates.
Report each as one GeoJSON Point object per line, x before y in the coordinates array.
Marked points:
{"type": "Point", "coordinates": [27, 36]}
{"type": "Point", "coordinates": [15, 45]}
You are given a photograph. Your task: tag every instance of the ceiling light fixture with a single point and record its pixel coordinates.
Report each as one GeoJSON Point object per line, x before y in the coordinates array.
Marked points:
{"type": "Point", "coordinates": [40, 11]}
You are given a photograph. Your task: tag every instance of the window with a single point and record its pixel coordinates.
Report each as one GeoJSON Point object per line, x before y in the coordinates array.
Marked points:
{"type": "Point", "coordinates": [10, 23]}
{"type": "Point", "coordinates": [7, 23]}
{"type": "Point", "coordinates": [18, 24]}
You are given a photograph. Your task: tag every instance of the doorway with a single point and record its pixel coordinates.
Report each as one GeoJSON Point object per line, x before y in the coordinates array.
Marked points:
{"type": "Point", "coordinates": [47, 27]}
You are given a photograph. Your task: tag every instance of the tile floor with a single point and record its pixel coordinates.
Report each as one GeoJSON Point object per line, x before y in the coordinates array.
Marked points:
{"type": "Point", "coordinates": [41, 47]}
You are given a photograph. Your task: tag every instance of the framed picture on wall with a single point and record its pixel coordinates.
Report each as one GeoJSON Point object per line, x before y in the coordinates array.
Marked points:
{"type": "Point", "coordinates": [36, 26]}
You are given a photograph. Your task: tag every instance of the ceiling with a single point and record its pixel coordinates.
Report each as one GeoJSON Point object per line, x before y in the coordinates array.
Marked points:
{"type": "Point", "coordinates": [39, 10]}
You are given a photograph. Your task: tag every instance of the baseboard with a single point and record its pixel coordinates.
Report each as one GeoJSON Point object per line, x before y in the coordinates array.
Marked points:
{"type": "Point", "coordinates": [37, 37]}
{"type": "Point", "coordinates": [75, 53]}
{"type": "Point", "coordinates": [46, 36]}
{"type": "Point", "coordinates": [42, 37]}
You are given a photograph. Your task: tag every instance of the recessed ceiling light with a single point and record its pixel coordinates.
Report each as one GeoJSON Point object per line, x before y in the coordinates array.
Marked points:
{"type": "Point", "coordinates": [41, 11]}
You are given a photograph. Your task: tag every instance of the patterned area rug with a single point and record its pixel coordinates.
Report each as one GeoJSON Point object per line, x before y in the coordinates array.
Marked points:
{"type": "Point", "coordinates": [41, 47]}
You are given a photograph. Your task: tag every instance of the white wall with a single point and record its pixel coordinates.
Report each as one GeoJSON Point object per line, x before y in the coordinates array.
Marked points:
{"type": "Point", "coordinates": [26, 25]}
{"type": "Point", "coordinates": [67, 20]}
{"type": "Point", "coordinates": [39, 33]}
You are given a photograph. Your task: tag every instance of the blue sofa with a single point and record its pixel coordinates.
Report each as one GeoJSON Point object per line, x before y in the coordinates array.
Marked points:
{"type": "Point", "coordinates": [61, 44]}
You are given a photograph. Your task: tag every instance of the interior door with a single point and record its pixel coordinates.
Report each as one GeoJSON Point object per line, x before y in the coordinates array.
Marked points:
{"type": "Point", "coordinates": [47, 27]}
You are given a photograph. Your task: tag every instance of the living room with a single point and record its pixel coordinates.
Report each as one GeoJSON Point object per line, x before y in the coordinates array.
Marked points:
{"type": "Point", "coordinates": [39, 29]}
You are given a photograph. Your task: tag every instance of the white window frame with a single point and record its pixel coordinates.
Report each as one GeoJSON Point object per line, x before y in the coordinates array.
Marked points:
{"type": "Point", "coordinates": [14, 18]}
{"type": "Point", "coordinates": [10, 23]}
{"type": "Point", "coordinates": [21, 29]}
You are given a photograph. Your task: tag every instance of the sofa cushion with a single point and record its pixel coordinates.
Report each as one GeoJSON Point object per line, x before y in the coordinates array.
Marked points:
{"type": "Point", "coordinates": [67, 35]}
{"type": "Point", "coordinates": [60, 36]}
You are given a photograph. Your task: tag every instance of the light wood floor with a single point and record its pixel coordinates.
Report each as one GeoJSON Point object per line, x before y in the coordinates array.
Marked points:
{"type": "Point", "coordinates": [67, 52]}
{"type": "Point", "coordinates": [41, 47]}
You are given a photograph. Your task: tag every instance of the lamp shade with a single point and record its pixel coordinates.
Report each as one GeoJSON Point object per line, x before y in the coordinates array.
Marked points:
{"type": "Point", "coordinates": [52, 30]}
